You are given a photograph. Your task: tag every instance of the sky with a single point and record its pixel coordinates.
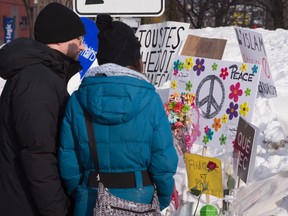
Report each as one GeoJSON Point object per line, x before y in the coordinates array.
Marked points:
{"type": "Point", "coordinates": [270, 116]}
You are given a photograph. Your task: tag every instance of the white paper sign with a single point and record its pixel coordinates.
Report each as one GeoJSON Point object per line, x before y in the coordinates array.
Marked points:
{"type": "Point", "coordinates": [223, 91]}
{"type": "Point", "coordinates": [253, 51]}
{"type": "Point", "coordinates": [159, 45]}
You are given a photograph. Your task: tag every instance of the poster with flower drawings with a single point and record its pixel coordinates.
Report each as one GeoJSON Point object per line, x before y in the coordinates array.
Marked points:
{"type": "Point", "coordinates": [222, 91]}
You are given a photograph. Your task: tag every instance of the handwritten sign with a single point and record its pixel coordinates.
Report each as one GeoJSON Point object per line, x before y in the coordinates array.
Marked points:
{"type": "Point", "coordinates": [199, 174]}
{"type": "Point", "coordinates": [159, 45]}
{"type": "Point", "coordinates": [245, 144]}
{"type": "Point", "coordinates": [204, 47]}
{"type": "Point", "coordinates": [253, 51]}
{"type": "Point", "coordinates": [223, 91]}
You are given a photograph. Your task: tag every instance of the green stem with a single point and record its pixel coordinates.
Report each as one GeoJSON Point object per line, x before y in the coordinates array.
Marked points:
{"type": "Point", "coordinates": [197, 204]}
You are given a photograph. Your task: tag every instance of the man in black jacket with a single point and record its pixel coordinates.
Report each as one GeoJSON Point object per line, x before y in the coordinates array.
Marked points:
{"type": "Point", "coordinates": [31, 105]}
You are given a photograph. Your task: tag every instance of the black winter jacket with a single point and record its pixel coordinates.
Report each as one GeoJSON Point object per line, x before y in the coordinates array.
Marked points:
{"type": "Point", "coordinates": [31, 106]}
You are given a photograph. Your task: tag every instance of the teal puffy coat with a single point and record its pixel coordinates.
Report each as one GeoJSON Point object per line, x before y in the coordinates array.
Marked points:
{"type": "Point", "coordinates": [132, 134]}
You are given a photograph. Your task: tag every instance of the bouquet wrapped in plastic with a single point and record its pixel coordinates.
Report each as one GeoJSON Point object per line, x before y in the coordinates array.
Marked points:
{"type": "Point", "coordinates": [183, 116]}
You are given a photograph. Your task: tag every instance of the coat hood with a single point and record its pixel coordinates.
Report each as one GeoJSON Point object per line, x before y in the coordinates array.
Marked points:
{"type": "Point", "coordinates": [23, 52]}
{"type": "Point", "coordinates": [114, 94]}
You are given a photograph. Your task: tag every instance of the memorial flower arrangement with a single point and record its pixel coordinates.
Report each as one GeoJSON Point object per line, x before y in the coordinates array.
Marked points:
{"type": "Point", "coordinates": [183, 117]}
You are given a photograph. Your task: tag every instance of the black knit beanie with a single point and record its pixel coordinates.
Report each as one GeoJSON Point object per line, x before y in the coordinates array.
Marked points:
{"type": "Point", "coordinates": [117, 42]}
{"type": "Point", "coordinates": [56, 23]}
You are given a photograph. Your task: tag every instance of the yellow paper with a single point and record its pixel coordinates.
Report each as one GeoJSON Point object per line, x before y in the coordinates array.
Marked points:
{"type": "Point", "coordinates": [199, 174]}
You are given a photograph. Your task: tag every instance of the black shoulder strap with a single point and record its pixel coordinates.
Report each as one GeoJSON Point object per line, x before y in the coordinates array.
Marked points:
{"type": "Point", "coordinates": [92, 140]}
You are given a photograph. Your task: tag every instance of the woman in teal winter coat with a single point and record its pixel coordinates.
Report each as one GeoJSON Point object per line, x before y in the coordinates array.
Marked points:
{"type": "Point", "coordinates": [130, 125]}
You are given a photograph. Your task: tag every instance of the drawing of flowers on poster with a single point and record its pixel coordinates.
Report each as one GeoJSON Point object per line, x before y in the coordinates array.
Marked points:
{"type": "Point", "coordinates": [223, 90]}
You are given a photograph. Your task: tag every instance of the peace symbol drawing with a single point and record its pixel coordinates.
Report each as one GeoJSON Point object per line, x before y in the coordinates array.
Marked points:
{"type": "Point", "coordinates": [213, 106]}
{"type": "Point", "coordinates": [223, 90]}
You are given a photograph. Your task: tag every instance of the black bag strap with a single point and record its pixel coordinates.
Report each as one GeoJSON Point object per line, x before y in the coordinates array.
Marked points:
{"type": "Point", "coordinates": [123, 180]}
{"type": "Point", "coordinates": [92, 142]}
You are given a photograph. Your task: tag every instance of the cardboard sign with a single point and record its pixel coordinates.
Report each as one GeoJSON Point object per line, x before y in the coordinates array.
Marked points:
{"type": "Point", "coordinates": [199, 174]}
{"type": "Point", "coordinates": [253, 51]}
{"type": "Point", "coordinates": [204, 47]}
{"type": "Point", "coordinates": [159, 45]}
{"type": "Point", "coordinates": [223, 91]}
{"type": "Point", "coordinates": [245, 144]}
{"type": "Point", "coordinates": [88, 55]}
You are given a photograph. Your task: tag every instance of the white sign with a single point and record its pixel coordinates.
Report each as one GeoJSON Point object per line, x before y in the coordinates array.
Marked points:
{"type": "Point", "coordinates": [159, 44]}
{"type": "Point", "coordinates": [119, 8]}
{"type": "Point", "coordinates": [223, 91]}
{"type": "Point", "coordinates": [253, 51]}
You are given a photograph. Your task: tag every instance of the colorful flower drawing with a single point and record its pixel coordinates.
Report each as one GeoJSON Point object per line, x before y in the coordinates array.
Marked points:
{"type": "Point", "coordinates": [244, 108]}
{"type": "Point", "coordinates": [174, 84]}
{"type": "Point", "coordinates": [188, 86]}
{"type": "Point", "coordinates": [188, 63]}
{"type": "Point", "coordinates": [175, 73]}
{"type": "Point", "coordinates": [210, 134]}
{"type": "Point", "coordinates": [206, 129]}
{"type": "Point", "coordinates": [181, 66]}
{"type": "Point", "coordinates": [248, 92]}
{"type": "Point", "coordinates": [243, 67]}
{"type": "Point", "coordinates": [176, 64]}
{"type": "Point", "coordinates": [199, 66]}
{"type": "Point", "coordinates": [217, 124]}
{"type": "Point", "coordinates": [254, 69]}
{"type": "Point", "coordinates": [235, 92]}
{"type": "Point", "coordinates": [205, 139]}
{"type": "Point", "coordinates": [224, 119]}
{"type": "Point", "coordinates": [224, 73]}
{"type": "Point", "coordinates": [232, 110]}
{"type": "Point", "coordinates": [214, 66]}
{"type": "Point", "coordinates": [222, 139]}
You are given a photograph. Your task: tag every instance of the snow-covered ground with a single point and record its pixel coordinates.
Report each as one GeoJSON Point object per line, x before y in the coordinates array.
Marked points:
{"type": "Point", "coordinates": [270, 116]}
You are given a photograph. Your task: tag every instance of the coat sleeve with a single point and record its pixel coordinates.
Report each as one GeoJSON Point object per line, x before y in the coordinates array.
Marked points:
{"type": "Point", "coordinates": [164, 157]}
{"type": "Point", "coordinates": [36, 110]}
{"type": "Point", "coordinates": [70, 170]}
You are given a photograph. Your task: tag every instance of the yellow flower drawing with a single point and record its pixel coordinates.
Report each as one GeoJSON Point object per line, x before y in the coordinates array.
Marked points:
{"type": "Point", "coordinates": [244, 108]}
{"type": "Point", "coordinates": [174, 84]}
{"type": "Point", "coordinates": [224, 119]}
{"type": "Point", "coordinates": [243, 67]}
{"type": "Point", "coordinates": [188, 63]}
